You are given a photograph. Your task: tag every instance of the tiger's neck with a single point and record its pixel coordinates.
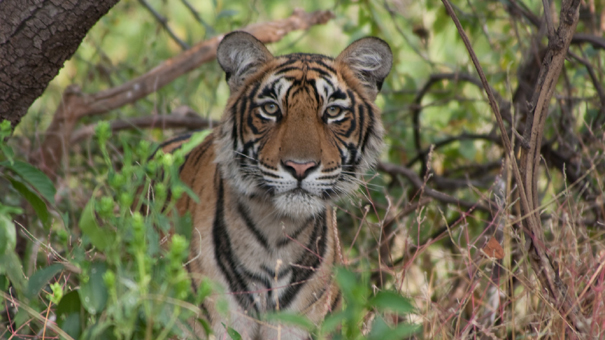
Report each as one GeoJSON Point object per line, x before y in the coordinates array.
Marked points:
{"type": "Point", "coordinates": [270, 227]}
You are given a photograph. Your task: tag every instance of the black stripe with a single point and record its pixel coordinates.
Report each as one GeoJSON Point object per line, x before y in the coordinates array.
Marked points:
{"type": "Point", "coordinates": [330, 68]}
{"type": "Point", "coordinates": [243, 106]}
{"type": "Point", "coordinates": [269, 90]}
{"type": "Point", "coordinates": [326, 288]}
{"type": "Point", "coordinates": [286, 69]}
{"type": "Point", "coordinates": [202, 306]}
{"type": "Point", "coordinates": [282, 273]}
{"type": "Point", "coordinates": [369, 130]}
{"type": "Point", "coordinates": [285, 241]}
{"type": "Point", "coordinates": [201, 151]}
{"type": "Point", "coordinates": [336, 301]}
{"type": "Point", "coordinates": [328, 177]}
{"type": "Point", "coordinates": [175, 139]}
{"type": "Point", "coordinates": [308, 260]}
{"type": "Point", "coordinates": [225, 258]}
{"type": "Point", "coordinates": [320, 71]}
{"type": "Point", "coordinates": [252, 228]}
{"type": "Point", "coordinates": [338, 94]}
{"type": "Point", "coordinates": [315, 91]}
{"type": "Point", "coordinates": [232, 113]}
{"type": "Point", "coordinates": [361, 115]}
{"type": "Point", "coordinates": [288, 62]}
{"type": "Point", "coordinates": [351, 129]}
{"type": "Point", "coordinates": [268, 174]}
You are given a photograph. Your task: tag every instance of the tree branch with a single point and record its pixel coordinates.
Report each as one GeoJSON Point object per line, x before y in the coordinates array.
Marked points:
{"type": "Point", "coordinates": [76, 104]}
{"type": "Point", "coordinates": [176, 119]}
{"type": "Point", "coordinates": [417, 108]}
{"type": "Point", "coordinates": [417, 182]}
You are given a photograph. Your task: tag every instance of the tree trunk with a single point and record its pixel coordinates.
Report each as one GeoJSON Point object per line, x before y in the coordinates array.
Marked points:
{"type": "Point", "coordinates": [36, 37]}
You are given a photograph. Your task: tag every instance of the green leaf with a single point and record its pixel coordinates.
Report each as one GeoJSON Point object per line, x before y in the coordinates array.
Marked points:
{"type": "Point", "coordinates": [206, 326]}
{"type": "Point", "coordinates": [381, 331]}
{"type": "Point", "coordinates": [233, 334]}
{"type": "Point", "coordinates": [346, 281]}
{"type": "Point", "coordinates": [68, 314]}
{"type": "Point", "coordinates": [34, 177]}
{"type": "Point", "coordinates": [8, 234]}
{"type": "Point", "coordinates": [36, 202]}
{"type": "Point", "coordinates": [3, 282]}
{"type": "Point", "coordinates": [292, 319]}
{"type": "Point", "coordinates": [41, 278]}
{"type": "Point", "coordinates": [392, 301]}
{"type": "Point", "coordinates": [7, 151]}
{"type": "Point", "coordinates": [22, 317]}
{"type": "Point", "coordinates": [196, 139]}
{"type": "Point", "coordinates": [11, 266]}
{"type": "Point", "coordinates": [333, 321]}
{"type": "Point", "coordinates": [89, 226]}
{"type": "Point", "coordinates": [467, 149]}
{"type": "Point", "coordinates": [93, 293]}
{"type": "Point", "coordinates": [71, 325]}
{"type": "Point", "coordinates": [183, 225]}
{"type": "Point", "coordinates": [70, 303]}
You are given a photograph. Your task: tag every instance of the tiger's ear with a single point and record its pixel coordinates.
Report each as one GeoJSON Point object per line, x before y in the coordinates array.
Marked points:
{"type": "Point", "coordinates": [240, 54]}
{"type": "Point", "coordinates": [370, 59]}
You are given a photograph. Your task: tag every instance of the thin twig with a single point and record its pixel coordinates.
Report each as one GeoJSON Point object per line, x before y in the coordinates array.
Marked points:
{"type": "Point", "coordinates": [171, 121]}
{"type": "Point", "coordinates": [527, 185]}
{"type": "Point", "coordinates": [492, 102]}
{"type": "Point", "coordinates": [419, 184]}
{"type": "Point", "coordinates": [164, 22]}
{"type": "Point", "coordinates": [548, 17]}
{"type": "Point", "coordinates": [417, 108]}
{"type": "Point", "coordinates": [198, 17]}
{"type": "Point", "coordinates": [593, 76]}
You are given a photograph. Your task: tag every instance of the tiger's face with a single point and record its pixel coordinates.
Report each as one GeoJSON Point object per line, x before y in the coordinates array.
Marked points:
{"type": "Point", "coordinates": [299, 130]}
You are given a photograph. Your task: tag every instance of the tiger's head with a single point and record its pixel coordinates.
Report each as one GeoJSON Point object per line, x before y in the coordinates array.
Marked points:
{"type": "Point", "coordinates": [300, 129]}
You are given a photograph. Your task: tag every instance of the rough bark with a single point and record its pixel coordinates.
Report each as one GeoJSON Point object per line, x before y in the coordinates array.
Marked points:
{"type": "Point", "coordinates": [36, 38]}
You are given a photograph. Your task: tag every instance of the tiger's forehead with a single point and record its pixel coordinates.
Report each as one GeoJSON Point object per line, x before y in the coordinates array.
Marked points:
{"type": "Point", "coordinates": [295, 71]}
{"type": "Point", "coordinates": [304, 67]}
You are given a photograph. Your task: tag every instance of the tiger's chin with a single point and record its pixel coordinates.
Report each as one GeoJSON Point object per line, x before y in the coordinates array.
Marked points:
{"type": "Point", "coordinates": [298, 204]}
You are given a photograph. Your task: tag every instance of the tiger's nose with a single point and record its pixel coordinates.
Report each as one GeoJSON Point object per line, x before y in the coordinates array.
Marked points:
{"type": "Point", "coordinates": [299, 170]}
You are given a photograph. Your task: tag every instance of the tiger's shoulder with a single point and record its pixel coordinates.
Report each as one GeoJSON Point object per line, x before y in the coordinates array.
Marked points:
{"type": "Point", "coordinates": [198, 171]}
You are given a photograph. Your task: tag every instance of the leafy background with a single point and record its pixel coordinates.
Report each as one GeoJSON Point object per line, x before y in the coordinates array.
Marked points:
{"type": "Point", "coordinates": [112, 280]}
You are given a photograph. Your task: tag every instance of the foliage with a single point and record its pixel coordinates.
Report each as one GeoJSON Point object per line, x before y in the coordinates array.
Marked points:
{"type": "Point", "coordinates": [80, 248]}
{"type": "Point", "coordinates": [128, 282]}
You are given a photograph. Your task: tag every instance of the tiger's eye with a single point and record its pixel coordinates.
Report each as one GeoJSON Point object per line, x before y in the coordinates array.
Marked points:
{"type": "Point", "coordinates": [270, 108]}
{"type": "Point", "coordinates": [333, 111]}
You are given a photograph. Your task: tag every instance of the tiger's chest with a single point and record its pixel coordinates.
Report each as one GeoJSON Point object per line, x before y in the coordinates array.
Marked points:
{"type": "Point", "coordinates": [266, 260]}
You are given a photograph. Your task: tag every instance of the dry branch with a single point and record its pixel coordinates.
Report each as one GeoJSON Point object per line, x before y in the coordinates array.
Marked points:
{"type": "Point", "coordinates": [417, 182]}
{"type": "Point", "coordinates": [149, 122]}
{"type": "Point", "coordinates": [504, 106]}
{"type": "Point", "coordinates": [76, 104]}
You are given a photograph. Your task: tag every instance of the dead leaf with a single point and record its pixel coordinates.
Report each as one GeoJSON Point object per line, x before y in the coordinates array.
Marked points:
{"type": "Point", "coordinates": [494, 249]}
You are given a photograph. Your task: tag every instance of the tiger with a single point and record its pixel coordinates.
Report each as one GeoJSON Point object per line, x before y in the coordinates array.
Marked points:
{"type": "Point", "coordinates": [297, 133]}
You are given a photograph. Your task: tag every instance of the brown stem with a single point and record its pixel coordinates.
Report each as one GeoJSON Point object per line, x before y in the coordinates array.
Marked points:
{"type": "Point", "coordinates": [148, 122]}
